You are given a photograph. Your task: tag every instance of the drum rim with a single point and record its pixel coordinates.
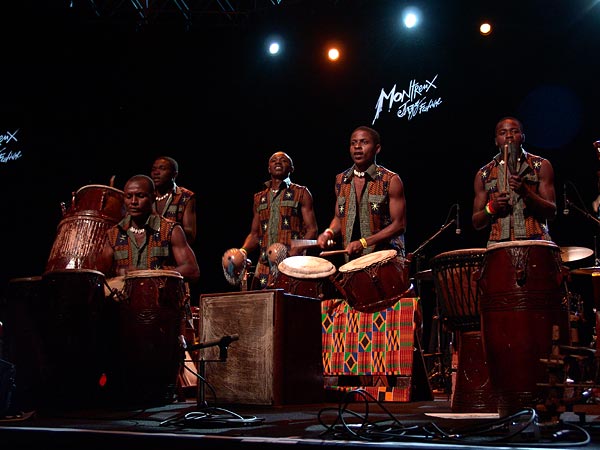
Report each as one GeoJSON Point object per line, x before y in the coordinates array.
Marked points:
{"type": "Point", "coordinates": [522, 243]}
{"type": "Point", "coordinates": [151, 273]}
{"type": "Point", "coordinates": [462, 251]}
{"type": "Point", "coordinates": [71, 271]}
{"type": "Point", "coordinates": [324, 273]}
{"type": "Point", "coordinates": [99, 186]}
{"type": "Point", "coordinates": [346, 268]}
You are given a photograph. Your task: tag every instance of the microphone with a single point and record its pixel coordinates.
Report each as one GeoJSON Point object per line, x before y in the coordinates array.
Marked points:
{"type": "Point", "coordinates": [565, 200]}
{"type": "Point", "coordinates": [458, 230]}
{"type": "Point", "coordinates": [222, 342]}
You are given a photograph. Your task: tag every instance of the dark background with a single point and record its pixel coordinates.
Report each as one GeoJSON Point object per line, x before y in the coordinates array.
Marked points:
{"type": "Point", "coordinates": [95, 95]}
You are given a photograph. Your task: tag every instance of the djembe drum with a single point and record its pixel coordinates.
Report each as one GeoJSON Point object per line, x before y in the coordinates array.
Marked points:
{"type": "Point", "coordinates": [151, 324]}
{"type": "Point", "coordinates": [455, 280]}
{"type": "Point", "coordinates": [308, 276]}
{"type": "Point", "coordinates": [80, 234]}
{"type": "Point", "coordinates": [374, 281]}
{"type": "Point", "coordinates": [524, 318]}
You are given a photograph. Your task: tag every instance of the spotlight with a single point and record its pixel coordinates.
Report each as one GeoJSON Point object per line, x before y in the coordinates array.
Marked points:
{"type": "Point", "coordinates": [485, 28]}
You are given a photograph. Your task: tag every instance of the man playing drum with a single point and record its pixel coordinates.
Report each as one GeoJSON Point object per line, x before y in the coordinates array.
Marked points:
{"type": "Point", "coordinates": [370, 211]}
{"type": "Point", "coordinates": [282, 211]}
{"type": "Point", "coordinates": [144, 240]}
{"type": "Point", "coordinates": [524, 318]}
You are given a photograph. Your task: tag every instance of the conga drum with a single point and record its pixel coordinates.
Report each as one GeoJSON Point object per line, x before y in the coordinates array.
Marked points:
{"type": "Point", "coordinates": [455, 275]}
{"type": "Point", "coordinates": [151, 324]}
{"type": "Point", "coordinates": [308, 276]}
{"type": "Point", "coordinates": [524, 318]}
{"type": "Point", "coordinates": [74, 336]}
{"type": "Point", "coordinates": [374, 281]}
{"type": "Point", "coordinates": [80, 233]}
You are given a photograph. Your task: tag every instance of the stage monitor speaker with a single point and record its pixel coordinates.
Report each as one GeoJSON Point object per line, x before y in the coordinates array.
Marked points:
{"type": "Point", "coordinates": [277, 359]}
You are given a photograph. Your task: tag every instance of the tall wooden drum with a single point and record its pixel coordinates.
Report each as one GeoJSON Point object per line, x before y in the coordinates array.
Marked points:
{"type": "Point", "coordinates": [455, 276]}
{"type": "Point", "coordinates": [524, 316]}
{"type": "Point", "coordinates": [80, 234]}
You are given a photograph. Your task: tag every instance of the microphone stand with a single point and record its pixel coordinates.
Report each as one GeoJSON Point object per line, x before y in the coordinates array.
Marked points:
{"type": "Point", "coordinates": [205, 413]}
{"type": "Point", "coordinates": [439, 369]}
{"type": "Point", "coordinates": [569, 204]}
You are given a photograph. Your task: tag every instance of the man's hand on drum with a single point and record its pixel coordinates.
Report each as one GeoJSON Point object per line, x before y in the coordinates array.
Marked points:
{"type": "Point", "coordinates": [501, 204]}
{"type": "Point", "coordinates": [354, 248]}
{"type": "Point", "coordinates": [325, 240]}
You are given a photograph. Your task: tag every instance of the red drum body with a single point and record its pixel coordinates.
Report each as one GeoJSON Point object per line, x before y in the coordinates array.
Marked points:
{"type": "Point", "coordinates": [80, 234]}
{"type": "Point", "coordinates": [151, 320]}
{"type": "Point", "coordinates": [308, 276]}
{"type": "Point", "coordinates": [455, 275]}
{"type": "Point", "coordinates": [524, 312]}
{"type": "Point", "coordinates": [73, 332]}
{"type": "Point", "coordinates": [374, 281]}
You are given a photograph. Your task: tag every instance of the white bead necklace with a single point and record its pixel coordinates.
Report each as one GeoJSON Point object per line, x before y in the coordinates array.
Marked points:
{"type": "Point", "coordinates": [162, 197]}
{"type": "Point", "coordinates": [137, 230]}
{"type": "Point", "coordinates": [359, 174]}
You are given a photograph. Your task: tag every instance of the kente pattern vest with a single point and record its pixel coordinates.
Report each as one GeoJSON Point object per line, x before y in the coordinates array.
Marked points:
{"type": "Point", "coordinates": [157, 247]}
{"type": "Point", "coordinates": [378, 217]}
{"type": "Point", "coordinates": [291, 224]}
{"type": "Point", "coordinates": [525, 224]}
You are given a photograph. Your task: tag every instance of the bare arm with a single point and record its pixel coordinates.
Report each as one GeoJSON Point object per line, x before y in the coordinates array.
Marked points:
{"type": "Point", "coordinates": [397, 226]}
{"type": "Point", "coordinates": [189, 220]}
{"type": "Point", "coordinates": [479, 218]}
{"type": "Point", "coordinates": [185, 258]}
{"type": "Point", "coordinates": [309, 219]}
{"type": "Point", "coordinates": [543, 201]}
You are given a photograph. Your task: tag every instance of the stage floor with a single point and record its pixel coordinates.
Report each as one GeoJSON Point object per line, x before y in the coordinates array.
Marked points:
{"type": "Point", "coordinates": [362, 423]}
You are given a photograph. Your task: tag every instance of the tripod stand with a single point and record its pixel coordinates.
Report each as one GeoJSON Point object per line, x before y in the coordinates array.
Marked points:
{"type": "Point", "coordinates": [207, 414]}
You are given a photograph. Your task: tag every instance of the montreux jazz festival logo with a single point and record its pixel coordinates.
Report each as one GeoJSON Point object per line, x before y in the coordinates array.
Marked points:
{"type": "Point", "coordinates": [418, 99]}
{"type": "Point", "coordinates": [8, 141]}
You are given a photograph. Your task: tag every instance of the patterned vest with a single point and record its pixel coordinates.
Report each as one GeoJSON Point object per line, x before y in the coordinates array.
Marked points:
{"type": "Point", "coordinates": [154, 253]}
{"type": "Point", "coordinates": [374, 211]}
{"type": "Point", "coordinates": [281, 221]}
{"type": "Point", "coordinates": [521, 224]}
{"type": "Point", "coordinates": [176, 205]}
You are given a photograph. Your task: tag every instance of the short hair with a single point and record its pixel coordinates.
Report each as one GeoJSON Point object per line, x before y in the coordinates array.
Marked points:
{"type": "Point", "coordinates": [145, 178]}
{"type": "Point", "coordinates": [509, 118]}
{"type": "Point", "coordinates": [374, 134]}
{"type": "Point", "coordinates": [286, 155]}
{"type": "Point", "coordinates": [174, 165]}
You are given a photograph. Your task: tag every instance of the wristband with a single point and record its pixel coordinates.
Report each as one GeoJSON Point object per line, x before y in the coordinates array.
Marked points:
{"type": "Point", "coordinates": [329, 231]}
{"type": "Point", "coordinates": [363, 242]}
{"type": "Point", "coordinates": [244, 251]}
{"type": "Point", "coordinates": [488, 209]}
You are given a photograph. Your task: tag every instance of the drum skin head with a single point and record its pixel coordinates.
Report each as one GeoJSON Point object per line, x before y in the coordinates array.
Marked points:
{"type": "Point", "coordinates": [152, 273]}
{"type": "Point", "coordinates": [306, 267]}
{"type": "Point", "coordinates": [367, 260]}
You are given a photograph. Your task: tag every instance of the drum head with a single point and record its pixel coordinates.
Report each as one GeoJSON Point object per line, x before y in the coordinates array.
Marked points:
{"type": "Point", "coordinates": [463, 252]}
{"type": "Point", "coordinates": [152, 273]}
{"type": "Point", "coordinates": [368, 260]}
{"type": "Point", "coordinates": [524, 243]}
{"type": "Point", "coordinates": [306, 267]}
{"type": "Point", "coordinates": [99, 186]}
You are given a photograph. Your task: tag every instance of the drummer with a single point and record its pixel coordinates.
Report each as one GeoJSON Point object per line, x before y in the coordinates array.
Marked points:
{"type": "Point", "coordinates": [144, 240]}
{"type": "Point", "coordinates": [370, 208]}
{"type": "Point", "coordinates": [282, 211]}
{"type": "Point", "coordinates": [514, 192]}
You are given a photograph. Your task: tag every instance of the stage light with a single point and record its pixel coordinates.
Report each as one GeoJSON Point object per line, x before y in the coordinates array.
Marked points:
{"type": "Point", "coordinates": [333, 54]}
{"type": "Point", "coordinates": [485, 28]}
{"type": "Point", "coordinates": [274, 48]}
{"type": "Point", "coordinates": [411, 17]}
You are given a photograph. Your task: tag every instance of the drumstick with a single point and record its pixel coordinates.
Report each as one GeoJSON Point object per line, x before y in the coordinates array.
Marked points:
{"type": "Point", "coordinates": [332, 252]}
{"type": "Point", "coordinates": [307, 243]}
